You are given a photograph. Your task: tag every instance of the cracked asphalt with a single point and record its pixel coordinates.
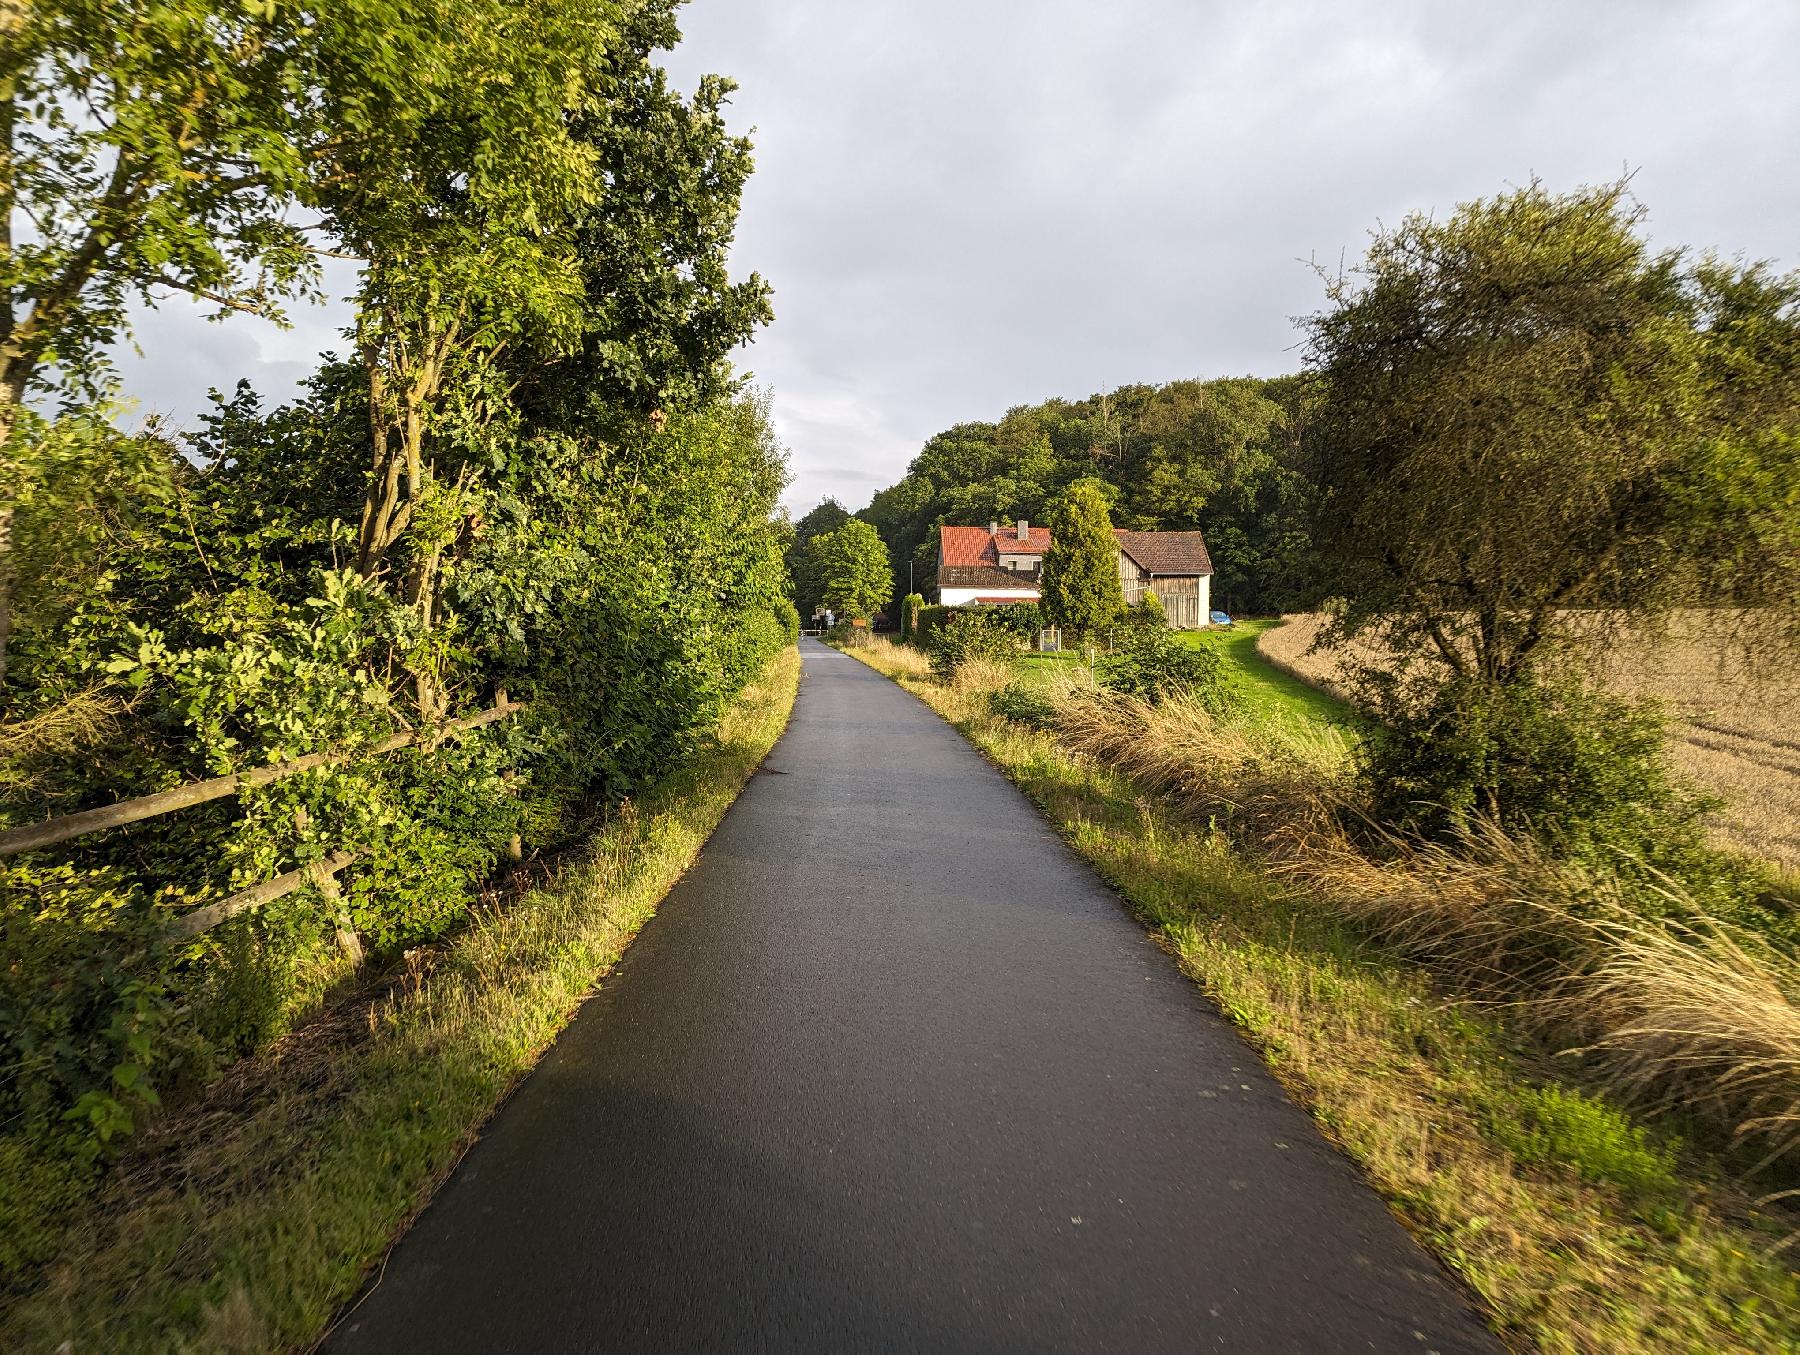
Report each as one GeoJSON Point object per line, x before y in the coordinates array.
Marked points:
{"type": "Point", "coordinates": [891, 1069]}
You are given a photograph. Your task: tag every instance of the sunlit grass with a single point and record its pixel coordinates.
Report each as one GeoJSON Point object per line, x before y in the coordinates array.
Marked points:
{"type": "Point", "coordinates": [1264, 691]}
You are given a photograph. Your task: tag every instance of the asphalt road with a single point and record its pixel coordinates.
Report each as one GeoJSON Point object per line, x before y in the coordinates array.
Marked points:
{"type": "Point", "coordinates": [892, 1070]}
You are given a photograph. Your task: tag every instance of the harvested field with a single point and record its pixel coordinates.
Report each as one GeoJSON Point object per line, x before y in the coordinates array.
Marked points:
{"type": "Point", "coordinates": [1736, 717]}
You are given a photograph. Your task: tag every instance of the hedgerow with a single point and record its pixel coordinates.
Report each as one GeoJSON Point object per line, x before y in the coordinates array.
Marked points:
{"type": "Point", "coordinates": [535, 475]}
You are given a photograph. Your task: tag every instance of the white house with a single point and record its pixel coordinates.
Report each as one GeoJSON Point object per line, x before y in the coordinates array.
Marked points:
{"type": "Point", "coordinates": [992, 567]}
{"type": "Point", "coordinates": [999, 565]}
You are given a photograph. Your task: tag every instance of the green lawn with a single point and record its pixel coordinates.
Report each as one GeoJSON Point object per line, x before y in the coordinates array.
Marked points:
{"type": "Point", "coordinates": [1268, 692]}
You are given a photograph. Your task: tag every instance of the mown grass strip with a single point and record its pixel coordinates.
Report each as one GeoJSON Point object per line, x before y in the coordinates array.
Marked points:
{"type": "Point", "coordinates": [249, 1224]}
{"type": "Point", "coordinates": [1575, 1228]}
{"type": "Point", "coordinates": [1267, 691]}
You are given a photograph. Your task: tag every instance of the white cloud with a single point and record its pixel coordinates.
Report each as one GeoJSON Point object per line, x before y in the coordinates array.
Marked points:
{"type": "Point", "coordinates": [964, 206]}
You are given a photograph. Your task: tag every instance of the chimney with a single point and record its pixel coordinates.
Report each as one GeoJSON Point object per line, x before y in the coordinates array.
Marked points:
{"type": "Point", "coordinates": [1024, 530]}
{"type": "Point", "coordinates": [994, 527]}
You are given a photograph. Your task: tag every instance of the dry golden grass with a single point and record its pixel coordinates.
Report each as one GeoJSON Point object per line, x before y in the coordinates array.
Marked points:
{"type": "Point", "coordinates": [898, 658]}
{"type": "Point", "coordinates": [1283, 786]}
{"type": "Point", "coordinates": [1735, 715]}
{"type": "Point", "coordinates": [60, 732]}
{"type": "Point", "coordinates": [1699, 1016]}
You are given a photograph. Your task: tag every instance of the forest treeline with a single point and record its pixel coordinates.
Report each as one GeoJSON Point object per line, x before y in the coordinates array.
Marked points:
{"type": "Point", "coordinates": [530, 468]}
{"type": "Point", "coordinates": [1222, 455]}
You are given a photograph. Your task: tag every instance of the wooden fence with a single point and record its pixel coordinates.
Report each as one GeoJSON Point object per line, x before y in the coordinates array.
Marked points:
{"type": "Point", "coordinates": [34, 836]}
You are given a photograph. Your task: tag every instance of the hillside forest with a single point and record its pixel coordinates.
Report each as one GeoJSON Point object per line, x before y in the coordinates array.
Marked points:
{"type": "Point", "coordinates": [1221, 455]}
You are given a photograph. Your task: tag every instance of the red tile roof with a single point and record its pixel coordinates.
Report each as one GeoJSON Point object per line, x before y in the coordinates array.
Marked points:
{"type": "Point", "coordinates": [1158, 552]}
{"type": "Point", "coordinates": [978, 546]}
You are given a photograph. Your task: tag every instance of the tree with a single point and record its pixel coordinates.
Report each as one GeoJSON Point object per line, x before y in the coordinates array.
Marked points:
{"type": "Point", "coordinates": [1081, 590]}
{"type": "Point", "coordinates": [662, 310]}
{"type": "Point", "coordinates": [828, 516]}
{"type": "Point", "coordinates": [144, 149]}
{"type": "Point", "coordinates": [1525, 416]}
{"type": "Point", "coordinates": [852, 569]}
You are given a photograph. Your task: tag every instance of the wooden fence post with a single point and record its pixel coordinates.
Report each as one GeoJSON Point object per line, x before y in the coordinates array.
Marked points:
{"type": "Point", "coordinates": [348, 941]}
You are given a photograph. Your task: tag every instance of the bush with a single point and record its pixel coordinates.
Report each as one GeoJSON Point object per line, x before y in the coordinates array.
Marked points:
{"type": "Point", "coordinates": [928, 621]}
{"type": "Point", "coordinates": [970, 635]}
{"type": "Point", "coordinates": [1155, 664]}
{"type": "Point", "coordinates": [1023, 619]}
{"type": "Point", "coordinates": [910, 606]}
{"type": "Point", "coordinates": [1582, 773]}
{"type": "Point", "coordinates": [1023, 705]}
{"type": "Point", "coordinates": [788, 618]}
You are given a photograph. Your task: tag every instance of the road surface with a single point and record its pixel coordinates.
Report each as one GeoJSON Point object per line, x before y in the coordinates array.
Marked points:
{"type": "Point", "coordinates": [892, 1070]}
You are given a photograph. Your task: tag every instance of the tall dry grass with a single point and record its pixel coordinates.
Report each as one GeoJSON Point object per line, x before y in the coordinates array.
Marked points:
{"type": "Point", "coordinates": [1282, 787]}
{"type": "Point", "coordinates": [1696, 1014]}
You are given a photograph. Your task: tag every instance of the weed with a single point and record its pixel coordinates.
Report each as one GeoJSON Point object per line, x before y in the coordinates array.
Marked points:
{"type": "Point", "coordinates": [1553, 1126]}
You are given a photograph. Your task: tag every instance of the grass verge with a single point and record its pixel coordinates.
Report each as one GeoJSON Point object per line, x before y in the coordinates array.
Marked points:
{"type": "Point", "coordinates": [1576, 1227]}
{"type": "Point", "coordinates": [245, 1221]}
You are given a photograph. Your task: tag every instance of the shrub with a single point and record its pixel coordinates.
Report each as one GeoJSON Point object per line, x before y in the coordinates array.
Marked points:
{"type": "Point", "coordinates": [1582, 773]}
{"type": "Point", "coordinates": [1155, 664]}
{"type": "Point", "coordinates": [928, 621]}
{"type": "Point", "coordinates": [1023, 619]}
{"type": "Point", "coordinates": [787, 616]}
{"type": "Point", "coordinates": [969, 636]}
{"type": "Point", "coordinates": [910, 606]}
{"type": "Point", "coordinates": [1023, 705]}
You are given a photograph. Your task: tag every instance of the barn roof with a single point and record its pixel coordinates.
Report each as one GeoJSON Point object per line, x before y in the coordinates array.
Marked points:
{"type": "Point", "coordinates": [1167, 552]}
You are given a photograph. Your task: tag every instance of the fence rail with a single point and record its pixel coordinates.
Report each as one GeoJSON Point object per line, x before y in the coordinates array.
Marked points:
{"type": "Point", "coordinates": [205, 919]}
{"type": "Point", "coordinates": [322, 873]}
{"type": "Point", "coordinates": [32, 836]}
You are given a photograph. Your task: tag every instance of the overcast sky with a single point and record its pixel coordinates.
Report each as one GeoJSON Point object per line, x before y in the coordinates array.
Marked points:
{"type": "Point", "coordinates": [965, 205]}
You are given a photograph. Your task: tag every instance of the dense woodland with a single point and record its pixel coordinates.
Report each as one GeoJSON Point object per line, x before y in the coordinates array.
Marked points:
{"type": "Point", "coordinates": [529, 468]}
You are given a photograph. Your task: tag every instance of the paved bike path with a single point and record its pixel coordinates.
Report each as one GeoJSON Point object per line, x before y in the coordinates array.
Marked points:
{"type": "Point", "coordinates": [892, 1070]}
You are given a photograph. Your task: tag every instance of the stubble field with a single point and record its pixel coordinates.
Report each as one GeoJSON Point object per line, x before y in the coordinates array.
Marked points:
{"type": "Point", "coordinates": [1734, 716]}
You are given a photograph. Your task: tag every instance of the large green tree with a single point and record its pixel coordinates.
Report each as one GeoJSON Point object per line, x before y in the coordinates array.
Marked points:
{"type": "Point", "coordinates": [145, 149]}
{"type": "Point", "coordinates": [564, 490]}
{"type": "Point", "coordinates": [1081, 590]}
{"type": "Point", "coordinates": [851, 566]}
{"type": "Point", "coordinates": [827, 516]}
{"type": "Point", "coordinates": [1530, 426]}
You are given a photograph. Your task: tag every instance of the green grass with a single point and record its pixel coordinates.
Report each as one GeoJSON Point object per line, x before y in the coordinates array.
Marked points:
{"type": "Point", "coordinates": [1574, 1228]}
{"type": "Point", "coordinates": [1266, 691]}
{"type": "Point", "coordinates": [245, 1223]}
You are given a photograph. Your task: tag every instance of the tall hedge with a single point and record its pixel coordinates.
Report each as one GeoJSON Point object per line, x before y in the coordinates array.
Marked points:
{"type": "Point", "coordinates": [572, 499]}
